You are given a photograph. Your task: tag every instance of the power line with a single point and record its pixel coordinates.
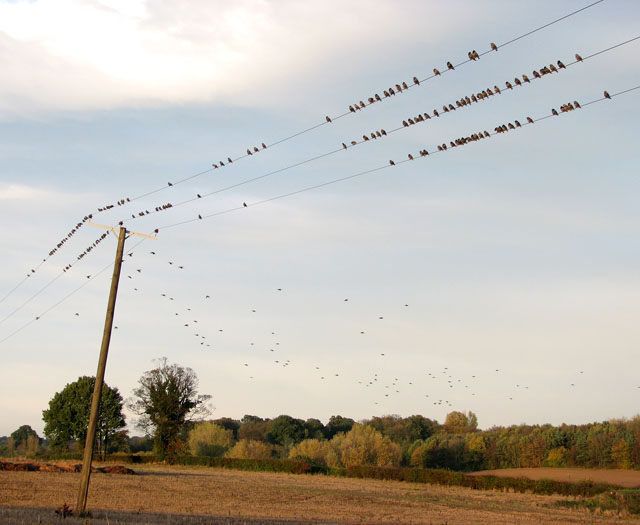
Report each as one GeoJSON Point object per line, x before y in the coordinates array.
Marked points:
{"type": "Point", "coordinates": [65, 269]}
{"type": "Point", "coordinates": [55, 305]}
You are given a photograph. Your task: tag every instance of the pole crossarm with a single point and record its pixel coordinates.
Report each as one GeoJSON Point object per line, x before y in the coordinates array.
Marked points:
{"type": "Point", "coordinates": [129, 232]}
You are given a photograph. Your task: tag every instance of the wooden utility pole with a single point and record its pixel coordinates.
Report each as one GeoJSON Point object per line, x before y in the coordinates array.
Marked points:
{"type": "Point", "coordinates": [102, 365]}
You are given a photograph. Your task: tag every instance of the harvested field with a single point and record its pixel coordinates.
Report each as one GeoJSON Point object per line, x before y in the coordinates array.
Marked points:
{"type": "Point", "coordinates": [163, 494]}
{"type": "Point", "coordinates": [624, 478]}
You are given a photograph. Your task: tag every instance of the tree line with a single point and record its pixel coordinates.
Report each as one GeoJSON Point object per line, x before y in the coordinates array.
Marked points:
{"type": "Point", "coordinates": [173, 415]}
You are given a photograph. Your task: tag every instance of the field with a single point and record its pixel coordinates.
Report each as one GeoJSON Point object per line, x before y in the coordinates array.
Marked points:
{"type": "Point", "coordinates": [171, 495]}
{"type": "Point", "coordinates": [624, 478]}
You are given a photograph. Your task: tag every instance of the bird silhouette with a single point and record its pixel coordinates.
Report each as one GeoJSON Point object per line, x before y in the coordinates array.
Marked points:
{"type": "Point", "coordinates": [416, 81]}
{"type": "Point", "coordinates": [344, 145]}
{"type": "Point", "coordinates": [392, 163]}
{"type": "Point", "coordinates": [578, 58]}
{"type": "Point", "coordinates": [494, 47]}
{"type": "Point", "coordinates": [327, 118]}
{"type": "Point", "coordinates": [244, 204]}
{"type": "Point", "coordinates": [436, 72]}
{"type": "Point", "coordinates": [450, 65]}
{"type": "Point", "coordinates": [606, 95]}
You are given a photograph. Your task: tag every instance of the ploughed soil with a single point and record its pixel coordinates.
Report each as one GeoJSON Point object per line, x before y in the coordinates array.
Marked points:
{"type": "Point", "coordinates": [624, 478]}
{"type": "Point", "coordinates": [200, 495]}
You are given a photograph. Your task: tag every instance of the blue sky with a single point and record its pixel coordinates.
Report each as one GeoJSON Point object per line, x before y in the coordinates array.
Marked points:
{"type": "Point", "coordinates": [518, 253]}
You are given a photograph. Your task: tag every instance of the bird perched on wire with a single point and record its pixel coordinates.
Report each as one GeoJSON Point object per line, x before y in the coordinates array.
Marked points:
{"type": "Point", "coordinates": [493, 47]}
{"type": "Point", "coordinates": [578, 58]}
{"type": "Point", "coordinates": [249, 152]}
{"type": "Point", "coordinates": [416, 81]}
{"type": "Point", "coordinates": [554, 111]}
{"type": "Point", "coordinates": [436, 72]}
{"type": "Point", "coordinates": [327, 118]}
{"type": "Point", "coordinates": [344, 146]}
{"type": "Point", "coordinates": [450, 65]}
{"type": "Point", "coordinates": [392, 163]}
{"type": "Point", "coordinates": [606, 95]}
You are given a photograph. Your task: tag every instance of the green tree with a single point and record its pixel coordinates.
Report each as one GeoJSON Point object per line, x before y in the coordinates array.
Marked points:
{"type": "Point", "coordinates": [166, 401]}
{"type": "Point", "coordinates": [338, 424]}
{"type": "Point", "coordinates": [67, 417]}
{"type": "Point", "coordinates": [314, 429]}
{"type": "Point", "coordinates": [21, 439]}
{"type": "Point", "coordinates": [286, 431]}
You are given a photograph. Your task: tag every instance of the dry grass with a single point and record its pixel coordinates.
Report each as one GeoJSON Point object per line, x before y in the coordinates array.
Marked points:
{"type": "Point", "coordinates": [218, 496]}
{"type": "Point", "coordinates": [624, 478]}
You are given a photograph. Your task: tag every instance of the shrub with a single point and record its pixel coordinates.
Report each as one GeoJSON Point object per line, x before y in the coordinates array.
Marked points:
{"type": "Point", "coordinates": [209, 439]}
{"type": "Point", "coordinates": [250, 449]}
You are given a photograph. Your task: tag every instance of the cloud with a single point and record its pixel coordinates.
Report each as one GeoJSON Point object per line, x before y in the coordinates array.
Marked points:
{"type": "Point", "coordinates": [78, 55]}
{"type": "Point", "coordinates": [20, 192]}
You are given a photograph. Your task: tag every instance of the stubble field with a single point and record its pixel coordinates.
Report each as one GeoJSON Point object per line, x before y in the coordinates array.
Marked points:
{"type": "Point", "coordinates": [164, 494]}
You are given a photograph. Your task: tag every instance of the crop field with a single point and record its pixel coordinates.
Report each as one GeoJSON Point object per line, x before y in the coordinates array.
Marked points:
{"type": "Point", "coordinates": [172, 495]}
{"type": "Point", "coordinates": [624, 478]}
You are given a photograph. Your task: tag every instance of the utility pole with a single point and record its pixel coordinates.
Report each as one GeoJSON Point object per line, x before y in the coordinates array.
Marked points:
{"type": "Point", "coordinates": [102, 365]}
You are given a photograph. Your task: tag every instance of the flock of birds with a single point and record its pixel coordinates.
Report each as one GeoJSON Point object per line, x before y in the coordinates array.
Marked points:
{"type": "Point", "coordinates": [438, 387]}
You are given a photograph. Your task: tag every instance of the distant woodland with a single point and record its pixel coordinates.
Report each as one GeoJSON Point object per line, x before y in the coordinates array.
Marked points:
{"type": "Point", "coordinates": [390, 440]}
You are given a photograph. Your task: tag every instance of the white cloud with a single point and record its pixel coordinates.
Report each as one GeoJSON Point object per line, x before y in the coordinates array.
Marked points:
{"type": "Point", "coordinates": [75, 54]}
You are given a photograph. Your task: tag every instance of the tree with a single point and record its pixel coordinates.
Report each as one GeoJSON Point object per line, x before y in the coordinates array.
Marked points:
{"type": "Point", "coordinates": [209, 439]}
{"type": "Point", "coordinates": [314, 429]}
{"type": "Point", "coordinates": [166, 401]}
{"type": "Point", "coordinates": [67, 417]}
{"type": "Point", "coordinates": [286, 431]}
{"type": "Point", "coordinates": [460, 423]}
{"type": "Point", "coordinates": [338, 424]}
{"type": "Point", "coordinates": [25, 441]}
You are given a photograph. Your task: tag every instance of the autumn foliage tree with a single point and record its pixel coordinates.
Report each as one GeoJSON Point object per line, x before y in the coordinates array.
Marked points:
{"type": "Point", "coordinates": [166, 401]}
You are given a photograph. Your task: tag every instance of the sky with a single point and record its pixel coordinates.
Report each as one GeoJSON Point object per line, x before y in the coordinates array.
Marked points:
{"type": "Point", "coordinates": [500, 277]}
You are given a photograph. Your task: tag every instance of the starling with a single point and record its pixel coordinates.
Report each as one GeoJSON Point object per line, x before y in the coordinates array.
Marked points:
{"type": "Point", "coordinates": [170, 184]}
{"type": "Point", "coordinates": [450, 65]}
{"type": "Point", "coordinates": [327, 118]}
{"type": "Point", "coordinates": [229, 160]}
{"type": "Point", "coordinates": [606, 95]}
{"type": "Point", "coordinates": [508, 84]}
{"type": "Point", "coordinates": [416, 81]}
{"type": "Point", "coordinates": [378, 97]}
{"type": "Point", "coordinates": [436, 72]}
{"type": "Point", "coordinates": [244, 204]}
{"type": "Point", "coordinates": [410, 156]}
{"type": "Point", "coordinates": [351, 109]}
{"type": "Point", "coordinates": [255, 149]}
{"type": "Point", "coordinates": [392, 163]}
{"type": "Point", "coordinates": [561, 65]}
{"type": "Point", "coordinates": [249, 152]}
{"type": "Point", "coordinates": [525, 78]}
{"type": "Point", "coordinates": [344, 145]}
{"type": "Point", "coordinates": [554, 111]}
{"type": "Point", "coordinates": [578, 58]}
{"type": "Point", "coordinates": [494, 47]}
